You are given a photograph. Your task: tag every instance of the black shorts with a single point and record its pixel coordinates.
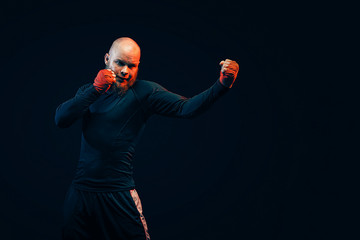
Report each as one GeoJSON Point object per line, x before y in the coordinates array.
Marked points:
{"type": "Point", "coordinates": [103, 215]}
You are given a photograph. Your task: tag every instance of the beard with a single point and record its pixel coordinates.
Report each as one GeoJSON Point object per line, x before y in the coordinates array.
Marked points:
{"type": "Point", "coordinates": [120, 88]}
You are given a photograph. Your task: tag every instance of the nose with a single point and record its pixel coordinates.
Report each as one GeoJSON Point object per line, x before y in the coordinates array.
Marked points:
{"type": "Point", "coordinates": [125, 71]}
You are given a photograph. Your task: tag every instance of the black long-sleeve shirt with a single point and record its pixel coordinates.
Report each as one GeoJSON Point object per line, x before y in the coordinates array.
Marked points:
{"type": "Point", "coordinates": [112, 125]}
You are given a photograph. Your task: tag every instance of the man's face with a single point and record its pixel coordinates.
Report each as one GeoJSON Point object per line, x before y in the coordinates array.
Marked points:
{"type": "Point", "coordinates": [124, 61]}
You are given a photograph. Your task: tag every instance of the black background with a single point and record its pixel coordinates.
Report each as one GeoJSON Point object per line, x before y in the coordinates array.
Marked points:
{"type": "Point", "coordinates": [262, 163]}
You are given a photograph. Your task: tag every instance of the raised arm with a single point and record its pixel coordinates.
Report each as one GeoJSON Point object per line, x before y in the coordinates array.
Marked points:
{"type": "Point", "coordinates": [164, 102]}
{"type": "Point", "coordinates": [71, 110]}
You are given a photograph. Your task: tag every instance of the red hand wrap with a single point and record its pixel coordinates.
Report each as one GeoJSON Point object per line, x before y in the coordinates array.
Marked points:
{"type": "Point", "coordinates": [104, 79]}
{"type": "Point", "coordinates": [227, 79]}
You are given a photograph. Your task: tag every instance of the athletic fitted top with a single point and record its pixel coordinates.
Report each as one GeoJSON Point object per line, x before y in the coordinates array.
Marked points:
{"type": "Point", "coordinates": [112, 125]}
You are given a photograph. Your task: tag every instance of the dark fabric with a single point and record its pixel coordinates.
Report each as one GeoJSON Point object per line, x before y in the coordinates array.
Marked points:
{"type": "Point", "coordinates": [102, 215]}
{"type": "Point", "coordinates": [112, 125]}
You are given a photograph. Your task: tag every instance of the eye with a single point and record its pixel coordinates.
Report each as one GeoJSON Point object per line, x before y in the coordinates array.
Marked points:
{"type": "Point", "coordinates": [120, 63]}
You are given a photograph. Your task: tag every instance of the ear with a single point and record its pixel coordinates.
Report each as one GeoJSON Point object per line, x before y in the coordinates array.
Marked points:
{"type": "Point", "coordinates": [106, 58]}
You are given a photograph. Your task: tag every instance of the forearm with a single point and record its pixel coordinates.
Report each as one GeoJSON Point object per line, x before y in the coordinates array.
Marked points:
{"type": "Point", "coordinates": [71, 110]}
{"type": "Point", "coordinates": [199, 103]}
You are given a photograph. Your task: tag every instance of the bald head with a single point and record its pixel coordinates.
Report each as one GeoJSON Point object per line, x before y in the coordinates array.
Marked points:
{"type": "Point", "coordinates": [125, 45]}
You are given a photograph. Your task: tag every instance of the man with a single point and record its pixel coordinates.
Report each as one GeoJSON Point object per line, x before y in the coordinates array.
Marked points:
{"type": "Point", "coordinates": [102, 202]}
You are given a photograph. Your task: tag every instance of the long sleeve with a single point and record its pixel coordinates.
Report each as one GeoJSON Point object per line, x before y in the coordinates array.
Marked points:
{"type": "Point", "coordinates": [71, 110]}
{"type": "Point", "coordinates": [166, 103]}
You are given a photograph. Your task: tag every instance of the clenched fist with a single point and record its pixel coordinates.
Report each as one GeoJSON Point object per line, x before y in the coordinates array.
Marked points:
{"type": "Point", "coordinates": [228, 72]}
{"type": "Point", "coordinates": [104, 79]}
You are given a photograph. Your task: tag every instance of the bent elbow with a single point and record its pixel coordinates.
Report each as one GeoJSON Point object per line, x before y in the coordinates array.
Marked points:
{"type": "Point", "coordinates": [62, 118]}
{"type": "Point", "coordinates": [60, 123]}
